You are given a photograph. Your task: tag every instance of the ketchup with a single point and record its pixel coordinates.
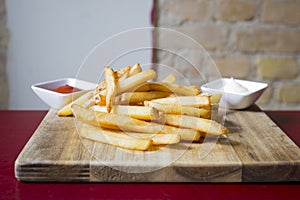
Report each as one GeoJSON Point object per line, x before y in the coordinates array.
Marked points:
{"type": "Point", "coordinates": [65, 89]}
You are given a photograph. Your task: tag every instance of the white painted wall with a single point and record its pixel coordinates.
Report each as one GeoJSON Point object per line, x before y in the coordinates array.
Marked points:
{"type": "Point", "coordinates": [51, 38]}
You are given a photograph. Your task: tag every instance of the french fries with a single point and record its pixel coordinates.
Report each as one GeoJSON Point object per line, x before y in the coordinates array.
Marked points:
{"type": "Point", "coordinates": [111, 81]}
{"type": "Point", "coordinates": [215, 98]}
{"type": "Point", "coordinates": [137, 112]}
{"type": "Point", "coordinates": [136, 97]}
{"type": "Point", "coordinates": [135, 69]}
{"type": "Point", "coordinates": [193, 101]}
{"type": "Point", "coordinates": [169, 87]}
{"type": "Point", "coordinates": [169, 79]}
{"type": "Point", "coordinates": [100, 93]}
{"type": "Point", "coordinates": [67, 111]}
{"type": "Point", "coordinates": [128, 140]}
{"type": "Point", "coordinates": [157, 139]}
{"type": "Point", "coordinates": [123, 73]}
{"type": "Point", "coordinates": [120, 122]}
{"type": "Point", "coordinates": [126, 123]}
{"type": "Point", "coordinates": [136, 80]}
{"type": "Point", "coordinates": [180, 110]}
{"type": "Point", "coordinates": [200, 124]}
{"type": "Point", "coordinates": [116, 138]}
{"type": "Point", "coordinates": [128, 111]}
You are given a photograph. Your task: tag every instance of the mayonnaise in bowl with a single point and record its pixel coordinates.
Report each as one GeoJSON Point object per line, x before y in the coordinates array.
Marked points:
{"type": "Point", "coordinates": [233, 86]}
{"type": "Point", "coordinates": [236, 93]}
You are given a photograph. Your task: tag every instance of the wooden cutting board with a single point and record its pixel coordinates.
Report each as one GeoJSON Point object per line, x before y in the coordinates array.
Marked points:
{"type": "Point", "coordinates": [256, 150]}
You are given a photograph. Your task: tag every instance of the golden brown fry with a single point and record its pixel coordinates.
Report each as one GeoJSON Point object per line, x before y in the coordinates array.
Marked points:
{"type": "Point", "coordinates": [193, 101]}
{"type": "Point", "coordinates": [189, 134]}
{"type": "Point", "coordinates": [123, 73]}
{"type": "Point", "coordinates": [99, 108]}
{"type": "Point", "coordinates": [169, 79]}
{"type": "Point", "coordinates": [115, 138]}
{"type": "Point", "coordinates": [136, 97]}
{"type": "Point", "coordinates": [146, 87]}
{"type": "Point", "coordinates": [180, 110]}
{"type": "Point", "coordinates": [100, 99]}
{"type": "Point", "coordinates": [111, 90]}
{"type": "Point", "coordinates": [100, 93]}
{"type": "Point", "coordinates": [67, 111]}
{"type": "Point", "coordinates": [137, 112]}
{"type": "Point", "coordinates": [100, 87]}
{"type": "Point", "coordinates": [158, 139]}
{"type": "Point", "coordinates": [169, 87]}
{"type": "Point", "coordinates": [135, 69]}
{"type": "Point", "coordinates": [203, 125]}
{"type": "Point", "coordinates": [135, 80]}
{"type": "Point", "coordinates": [215, 98]}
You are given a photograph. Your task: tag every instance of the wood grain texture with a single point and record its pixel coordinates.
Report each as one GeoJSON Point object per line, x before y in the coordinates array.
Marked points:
{"type": "Point", "coordinates": [256, 150]}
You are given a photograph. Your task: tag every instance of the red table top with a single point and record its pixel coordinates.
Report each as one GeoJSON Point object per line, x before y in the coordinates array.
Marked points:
{"type": "Point", "coordinates": [16, 128]}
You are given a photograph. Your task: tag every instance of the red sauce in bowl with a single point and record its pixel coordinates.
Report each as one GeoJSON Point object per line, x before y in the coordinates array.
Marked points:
{"type": "Point", "coordinates": [66, 89]}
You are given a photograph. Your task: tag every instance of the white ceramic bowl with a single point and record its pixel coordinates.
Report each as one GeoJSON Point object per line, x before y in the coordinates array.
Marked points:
{"type": "Point", "coordinates": [234, 100]}
{"type": "Point", "coordinates": [58, 100]}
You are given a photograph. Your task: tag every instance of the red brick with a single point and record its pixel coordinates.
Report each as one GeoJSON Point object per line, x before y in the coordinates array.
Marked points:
{"type": "Point", "coordinates": [289, 93]}
{"type": "Point", "coordinates": [277, 68]}
{"type": "Point", "coordinates": [234, 66]}
{"type": "Point", "coordinates": [178, 11]}
{"type": "Point", "coordinates": [285, 12]}
{"type": "Point", "coordinates": [268, 40]}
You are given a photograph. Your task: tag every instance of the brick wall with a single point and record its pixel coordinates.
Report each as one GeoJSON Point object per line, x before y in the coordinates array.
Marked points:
{"type": "Point", "coordinates": [248, 39]}
{"type": "Point", "coordinates": [4, 37]}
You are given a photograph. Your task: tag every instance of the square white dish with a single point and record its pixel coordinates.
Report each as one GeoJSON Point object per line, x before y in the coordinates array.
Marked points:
{"type": "Point", "coordinates": [44, 91]}
{"type": "Point", "coordinates": [236, 100]}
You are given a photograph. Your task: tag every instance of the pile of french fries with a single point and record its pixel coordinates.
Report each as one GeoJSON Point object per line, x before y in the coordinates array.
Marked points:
{"type": "Point", "coordinates": [130, 110]}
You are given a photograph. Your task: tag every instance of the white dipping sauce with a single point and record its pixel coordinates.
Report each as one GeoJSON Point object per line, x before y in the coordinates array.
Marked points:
{"type": "Point", "coordinates": [233, 86]}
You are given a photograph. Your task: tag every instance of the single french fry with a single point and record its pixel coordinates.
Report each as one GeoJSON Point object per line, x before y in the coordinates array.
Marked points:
{"type": "Point", "coordinates": [169, 87]}
{"type": "Point", "coordinates": [100, 99]}
{"type": "Point", "coordinates": [99, 108]}
{"type": "Point", "coordinates": [180, 110]}
{"type": "Point", "coordinates": [137, 112]}
{"type": "Point", "coordinates": [215, 98]}
{"type": "Point", "coordinates": [200, 124]}
{"type": "Point", "coordinates": [158, 139]}
{"type": "Point", "coordinates": [123, 73]}
{"type": "Point", "coordinates": [193, 101]}
{"type": "Point", "coordinates": [136, 97]}
{"type": "Point", "coordinates": [135, 69]}
{"type": "Point", "coordinates": [111, 90]}
{"type": "Point", "coordinates": [176, 89]}
{"type": "Point", "coordinates": [89, 103]}
{"type": "Point", "coordinates": [146, 87]}
{"type": "Point", "coordinates": [135, 80]}
{"type": "Point", "coordinates": [100, 87]}
{"type": "Point", "coordinates": [100, 93]}
{"type": "Point", "coordinates": [114, 137]}
{"type": "Point", "coordinates": [169, 79]}
{"type": "Point", "coordinates": [67, 111]}
{"type": "Point", "coordinates": [189, 134]}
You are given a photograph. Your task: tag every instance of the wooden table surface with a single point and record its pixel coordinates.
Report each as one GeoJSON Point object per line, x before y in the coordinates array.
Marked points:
{"type": "Point", "coordinates": [16, 127]}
